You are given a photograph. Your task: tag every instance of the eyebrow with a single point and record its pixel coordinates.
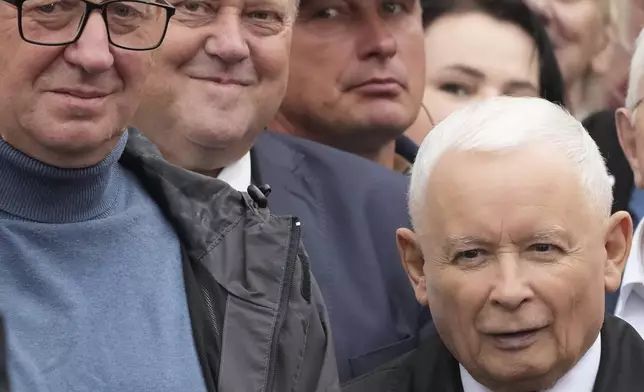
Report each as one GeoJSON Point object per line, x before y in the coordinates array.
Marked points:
{"type": "Point", "coordinates": [459, 242]}
{"type": "Point", "coordinates": [547, 234]}
{"type": "Point", "coordinates": [468, 70]}
{"type": "Point", "coordinates": [456, 242]}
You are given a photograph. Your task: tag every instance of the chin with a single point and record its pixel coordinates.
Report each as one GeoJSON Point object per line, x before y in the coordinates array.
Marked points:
{"type": "Point", "coordinates": [217, 134]}
{"type": "Point", "coordinates": [390, 114]}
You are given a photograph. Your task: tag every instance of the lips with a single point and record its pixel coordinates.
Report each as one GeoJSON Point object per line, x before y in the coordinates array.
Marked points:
{"type": "Point", "coordinates": [378, 81]}
{"type": "Point", "coordinates": [225, 80]}
{"type": "Point", "coordinates": [83, 93]}
{"type": "Point", "coordinates": [515, 339]}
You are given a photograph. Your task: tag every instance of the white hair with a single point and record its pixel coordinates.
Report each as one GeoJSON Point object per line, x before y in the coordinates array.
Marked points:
{"type": "Point", "coordinates": [504, 123]}
{"type": "Point", "coordinates": [636, 73]}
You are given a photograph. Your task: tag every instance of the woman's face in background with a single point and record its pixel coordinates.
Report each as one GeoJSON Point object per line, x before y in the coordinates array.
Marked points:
{"type": "Point", "coordinates": [578, 33]}
{"type": "Point", "coordinates": [471, 57]}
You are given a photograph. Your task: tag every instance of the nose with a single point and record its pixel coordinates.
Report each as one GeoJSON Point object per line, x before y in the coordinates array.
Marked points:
{"type": "Point", "coordinates": [91, 51]}
{"type": "Point", "coordinates": [512, 289]}
{"type": "Point", "coordinates": [542, 8]}
{"type": "Point", "coordinates": [226, 39]}
{"type": "Point", "coordinates": [376, 40]}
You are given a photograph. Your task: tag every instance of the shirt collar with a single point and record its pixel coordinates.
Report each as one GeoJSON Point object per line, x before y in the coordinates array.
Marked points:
{"type": "Point", "coordinates": [238, 174]}
{"type": "Point", "coordinates": [636, 204]}
{"type": "Point", "coordinates": [581, 378]}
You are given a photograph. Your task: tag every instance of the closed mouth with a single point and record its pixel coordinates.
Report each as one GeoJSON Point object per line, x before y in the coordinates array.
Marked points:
{"type": "Point", "coordinates": [516, 334]}
{"type": "Point", "coordinates": [224, 81]}
{"type": "Point", "coordinates": [82, 94]}
{"type": "Point", "coordinates": [384, 82]}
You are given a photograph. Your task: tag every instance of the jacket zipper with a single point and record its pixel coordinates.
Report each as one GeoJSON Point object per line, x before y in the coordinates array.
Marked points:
{"type": "Point", "coordinates": [287, 288]}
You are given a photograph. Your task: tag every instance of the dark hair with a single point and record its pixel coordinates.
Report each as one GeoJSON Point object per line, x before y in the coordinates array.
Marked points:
{"type": "Point", "coordinates": [517, 13]}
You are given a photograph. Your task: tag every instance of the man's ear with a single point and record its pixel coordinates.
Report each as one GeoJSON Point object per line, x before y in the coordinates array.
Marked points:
{"type": "Point", "coordinates": [617, 243]}
{"type": "Point", "coordinates": [413, 262]}
{"type": "Point", "coordinates": [626, 134]}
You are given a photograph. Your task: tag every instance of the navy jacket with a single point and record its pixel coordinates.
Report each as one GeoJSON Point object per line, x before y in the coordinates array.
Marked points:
{"type": "Point", "coordinates": [350, 209]}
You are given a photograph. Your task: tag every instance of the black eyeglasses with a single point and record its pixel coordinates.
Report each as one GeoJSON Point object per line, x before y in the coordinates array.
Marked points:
{"type": "Point", "coordinates": [131, 24]}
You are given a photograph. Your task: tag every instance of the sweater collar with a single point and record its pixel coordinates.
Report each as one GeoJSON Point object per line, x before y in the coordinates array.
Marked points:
{"type": "Point", "coordinates": [34, 191]}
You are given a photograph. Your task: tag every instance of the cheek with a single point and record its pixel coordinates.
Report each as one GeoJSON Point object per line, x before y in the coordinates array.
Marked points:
{"type": "Point", "coordinates": [573, 293]}
{"type": "Point", "coordinates": [133, 68]}
{"type": "Point", "coordinates": [414, 57]}
{"type": "Point", "coordinates": [440, 105]}
{"type": "Point", "coordinates": [578, 23]}
{"type": "Point", "coordinates": [180, 47]}
{"type": "Point", "coordinates": [271, 61]}
{"type": "Point", "coordinates": [29, 62]}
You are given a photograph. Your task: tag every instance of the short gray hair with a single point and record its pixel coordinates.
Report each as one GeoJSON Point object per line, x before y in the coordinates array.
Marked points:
{"type": "Point", "coordinates": [505, 123]}
{"type": "Point", "coordinates": [636, 73]}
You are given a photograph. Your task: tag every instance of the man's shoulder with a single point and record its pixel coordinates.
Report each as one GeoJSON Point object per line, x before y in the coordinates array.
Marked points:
{"type": "Point", "coordinates": [310, 154]}
{"type": "Point", "coordinates": [619, 334]}
{"type": "Point", "coordinates": [622, 358]}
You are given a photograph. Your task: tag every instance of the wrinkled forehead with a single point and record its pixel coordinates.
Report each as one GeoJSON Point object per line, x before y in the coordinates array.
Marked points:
{"type": "Point", "coordinates": [509, 193]}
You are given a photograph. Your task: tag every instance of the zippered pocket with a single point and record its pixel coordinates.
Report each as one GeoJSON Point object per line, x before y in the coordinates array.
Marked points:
{"type": "Point", "coordinates": [287, 288]}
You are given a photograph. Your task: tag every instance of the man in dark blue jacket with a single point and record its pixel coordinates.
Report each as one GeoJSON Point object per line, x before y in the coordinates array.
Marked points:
{"type": "Point", "coordinates": [209, 95]}
{"type": "Point", "coordinates": [356, 76]}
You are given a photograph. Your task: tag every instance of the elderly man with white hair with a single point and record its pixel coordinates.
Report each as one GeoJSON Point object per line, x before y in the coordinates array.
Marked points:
{"type": "Point", "coordinates": [630, 130]}
{"type": "Point", "coordinates": [512, 249]}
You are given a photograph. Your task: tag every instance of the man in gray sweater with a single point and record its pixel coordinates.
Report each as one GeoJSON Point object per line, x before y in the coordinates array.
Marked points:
{"type": "Point", "coordinates": [114, 276]}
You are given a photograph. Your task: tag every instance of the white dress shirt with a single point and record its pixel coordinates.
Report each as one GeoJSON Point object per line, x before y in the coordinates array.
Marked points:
{"type": "Point", "coordinates": [581, 378]}
{"type": "Point", "coordinates": [630, 304]}
{"type": "Point", "coordinates": [238, 174]}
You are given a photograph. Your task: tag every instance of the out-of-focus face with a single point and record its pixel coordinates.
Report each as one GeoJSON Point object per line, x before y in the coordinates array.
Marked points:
{"type": "Point", "coordinates": [471, 57]}
{"type": "Point", "coordinates": [514, 267]}
{"type": "Point", "coordinates": [630, 130]}
{"type": "Point", "coordinates": [634, 19]}
{"type": "Point", "coordinates": [217, 80]}
{"type": "Point", "coordinates": [578, 33]}
{"type": "Point", "coordinates": [67, 106]}
{"type": "Point", "coordinates": [357, 69]}
{"type": "Point", "coordinates": [627, 27]}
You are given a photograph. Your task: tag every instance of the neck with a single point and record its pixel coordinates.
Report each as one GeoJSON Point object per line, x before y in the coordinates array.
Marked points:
{"type": "Point", "coordinates": [209, 157]}
{"type": "Point", "coordinates": [37, 191]}
{"type": "Point", "coordinates": [575, 97]}
{"type": "Point", "coordinates": [421, 127]}
{"type": "Point", "coordinates": [383, 154]}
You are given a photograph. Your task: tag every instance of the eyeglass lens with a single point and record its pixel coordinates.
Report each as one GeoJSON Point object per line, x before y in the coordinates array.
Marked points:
{"type": "Point", "coordinates": [130, 24]}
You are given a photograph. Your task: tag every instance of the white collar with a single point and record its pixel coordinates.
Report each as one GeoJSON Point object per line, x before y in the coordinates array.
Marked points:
{"type": "Point", "coordinates": [238, 174]}
{"type": "Point", "coordinates": [581, 378]}
{"type": "Point", "coordinates": [634, 270]}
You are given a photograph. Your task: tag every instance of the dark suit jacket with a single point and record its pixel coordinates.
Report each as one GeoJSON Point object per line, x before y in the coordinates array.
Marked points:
{"type": "Point", "coordinates": [432, 368]}
{"type": "Point", "coordinates": [350, 209]}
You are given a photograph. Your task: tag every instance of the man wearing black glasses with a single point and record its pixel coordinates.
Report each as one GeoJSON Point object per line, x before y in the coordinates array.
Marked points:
{"type": "Point", "coordinates": [120, 272]}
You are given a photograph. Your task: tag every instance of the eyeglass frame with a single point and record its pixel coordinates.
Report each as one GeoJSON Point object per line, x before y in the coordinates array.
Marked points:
{"type": "Point", "coordinates": [91, 7]}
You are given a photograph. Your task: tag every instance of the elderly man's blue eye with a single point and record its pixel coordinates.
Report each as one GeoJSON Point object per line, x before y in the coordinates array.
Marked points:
{"type": "Point", "coordinates": [470, 254]}
{"type": "Point", "coordinates": [544, 247]}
